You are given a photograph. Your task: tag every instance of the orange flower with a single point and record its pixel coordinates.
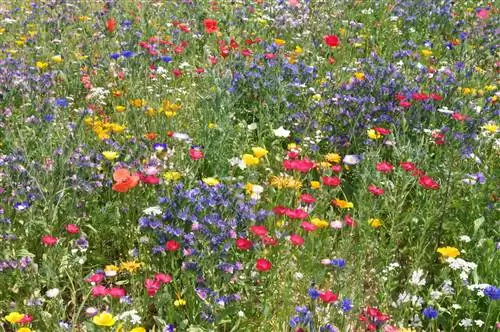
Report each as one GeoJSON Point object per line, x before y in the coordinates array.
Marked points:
{"type": "Point", "coordinates": [150, 136]}
{"type": "Point", "coordinates": [124, 180]}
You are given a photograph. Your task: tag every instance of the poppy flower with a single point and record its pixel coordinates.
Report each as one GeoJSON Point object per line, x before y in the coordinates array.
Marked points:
{"type": "Point", "coordinates": [459, 117]}
{"type": "Point", "coordinates": [172, 245]}
{"type": "Point", "coordinates": [296, 240]}
{"type": "Point", "coordinates": [331, 40]}
{"type": "Point", "coordinates": [210, 25]}
{"type": "Point", "coordinates": [263, 265]}
{"type": "Point", "coordinates": [149, 179]}
{"type": "Point", "coordinates": [296, 214]}
{"type": "Point", "coordinates": [195, 154]}
{"type": "Point", "coordinates": [110, 25]}
{"type": "Point", "coordinates": [382, 131]}
{"type": "Point", "coordinates": [419, 96]}
{"type": "Point", "coordinates": [49, 240]}
{"type": "Point", "coordinates": [384, 167]}
{"type": "Point", "coordinates": [307, 226]}
{"type": "Point", "coordinates": [436, 97]}
{"type": "Point", "coordinates": [307, 198]}
{"type": "Point", "coordinates": [269, 241]}
{"type": "Point", "coordinates": [376, 191]}
{"type": "Point", "coordinates": [258, 230]}
{"type": "Point", "coordinates": [244, 244]}
{"type": "Point", "coordinates": [331, 181]}
{"type": "Point", "coordinates": [152, 286]}
{"type": "Point", "coordinates": [404, 103]}
{"type": "Point", "coordinates": [116, 292]}
{"type": "Point", "coordinates": [124, 180]}
{"type": "Point", "coordinates": [328, 297]}
{"type": "Point", "coordinates": [163, 278]}
{"type": "Point", "coordinates": [428, 183]}
{"type": "Point", "coordinates": [72, 229]}
{"type": "Point", "coordinates": [280, 210]}
{"type": "Point", "coordinates": [407, 166]}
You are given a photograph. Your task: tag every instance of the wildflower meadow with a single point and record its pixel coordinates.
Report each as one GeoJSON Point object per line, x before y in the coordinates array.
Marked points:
{"type": "Point", "coordinates": [249, 165]}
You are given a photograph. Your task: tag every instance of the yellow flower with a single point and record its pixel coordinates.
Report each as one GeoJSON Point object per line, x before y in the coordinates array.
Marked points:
{"type": "Point", "coordinates": [111, 269]}
{"type": "Point", "coordinates": [180, 302]}
{"type": "Point", "coordinates": [41, 64]}
{"type": "Point", "coordinates": [172, 176]}
{"type": "Point", "coordinates": [137, 102]}
{"type": "Point", "coordinates": [279, 42]}
{"type": "Point", "coordinates": [467, 91]}
{"type": "Point", "coordinates": [24, 329]}
{"type": "Point", "coordinates": [324, 164]}
{"type": "Point", "coordinates": [298, 50]}
{"type": "Point", "coordinates": [375, 222]}
{"type": "Point", "coordinates": [14, 317]}
{"type": "Point", "coordinates": [281, 182]}
{"type": "Point", "coordinates": [84, 18]}
{"type": "Point", "coordinates": [150, 112]}
{"type": "Point", "coordinates": [130, 266]}
{"type": "Point", "coordinates": [259, 152]}
{"type": "Point", "coordinates": [170, 107]}
{"type": "Point", "coordinates": [280, 223]}
{"type": "Point", "coordinates": [57, 58]}
{"type": "Point", "coordinates": [333, 158]}
{"type": "Point", "coordinates": [249, 160]}
{"type": "Point", "coordinates": [359, 76]}
{"type": "Point", "coordinates": [404, 329]}
{"type": "Point", "coordinates": [490, 87]}
{"type": "Point", "coordinates": [316, 97]}
{"type": "Point", "coordinates": [249, 188]}
{"type": "Point", "coordinates": [110, 155]}
{"type": "Point", "coordinates": [292, 146]}
{"type": "Point", "coordinates": [315, 184]}
{"type": "Point", "coordinates": [426, 53]}
{"type": "Point", "coordinates": [138, 329]}
{"type": "Point", "coordinates": [116, 128]}
{"type": "Point", "coordinates": [373, 134]}
{"type": "Point", "coordinates": [448, 251]}
{"type": "Point", "coordinates": [320, 223]}
{"type": "Point", "coordinates": [490, 127]}
{"type": "Point", "coordinates": [210, 181]}
{"type": "Point", "coordinates": [104, 319]}
{"type": "Point", "coordinates": [119, 108]}
{"type": "Point", "coordinates": [342, 204]}
{"type": "Point", "coordinates": [212, 125]}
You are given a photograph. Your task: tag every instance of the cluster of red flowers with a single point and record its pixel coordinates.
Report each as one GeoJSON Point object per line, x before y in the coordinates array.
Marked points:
{"type": "Point", "coordinates": [373, 318]}
{"type": "Point", "coordinates": [416, 96]}
{"type": "Point", "coordinates": [154, 285]}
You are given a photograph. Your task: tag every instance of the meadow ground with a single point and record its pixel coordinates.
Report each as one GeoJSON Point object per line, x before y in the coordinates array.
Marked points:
{"type": "Point", "coordinates": [249, 165]}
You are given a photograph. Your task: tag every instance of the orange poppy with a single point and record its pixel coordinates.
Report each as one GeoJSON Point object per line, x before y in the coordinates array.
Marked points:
{"type": "Point", "coordinates": [124, 180]}
{"type": "Point", "coordinates": [150, 136]}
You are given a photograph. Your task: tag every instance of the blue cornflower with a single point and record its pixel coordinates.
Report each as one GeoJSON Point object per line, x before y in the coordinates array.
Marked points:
{"type": "Point", "coordinates": [346, 305]}
{"type": "Point", "coordinates": [313, 293]}
{"type": "Point", "coordinates": [61, 102]}
{"type": "Point", "coordinates": [114, 56]}
{"type": "Point", "coordinates": [127, 54]}
{"type": "Point", "coordinates": [21, 206]}
{"type": "Point", "coordinates": [492, 292]}
{"type": "Point", "coordinates": [338, 262]}
{"type": "Point", "coordinates": [166, 59]}
{"type": "Point", "coordinates": [430, 313]}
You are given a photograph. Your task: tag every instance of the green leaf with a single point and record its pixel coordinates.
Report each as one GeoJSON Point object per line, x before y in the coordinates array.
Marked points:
{"type": "Point", "coordinates": [477, 224]}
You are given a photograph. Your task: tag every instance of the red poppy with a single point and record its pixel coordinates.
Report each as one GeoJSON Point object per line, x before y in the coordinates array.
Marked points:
{"type": "Point", "coordinates": [438, 138]}
{"type": "Point", "coordinates": [152, 286]}
{"type": "Point", "coordinates": [307, 226]}
{"type": "Point", "coordinates": [382, 131]}
{"type": "Point", "coordinates": [296, 240]}
{"type": "Point", "coordinates": [400, 97]}
{"type": "Point", "coordinates": [419, 96]}
{"type": "Point", "coordinates": [172, 245]}
{"type": "Point", "coordinates": [303, 165]}
{"type": "Point", "coordinates": [149, 179]}
{"type": "Point", "coordinates": [436, 97]}
{"type": "Point", "coordinates": [49, 240]}
{"type": "Point", "coordinates": [404, 103]}
{"type": "Point", "coordinates": [459, 117]}
{"type": "Point", "coordinates": [110, 25]}
{"type": "Point", "coordinates": [376, 191]}
{"type": "Point", "coordinates": [72, 229]}
{"type": "Point", "coordinates": [263, 265]}
{"type": "Point", "coordinates": [296, 214]}
{"type": "Point", "coordinates": [337, 168]}
{"type": "Point", "coordinates": [331, 181]}
{"type": "Point", "coordinates": [210, 25]}
{"type": "Point", "coordinates": [163, 278]}
{"type": "Point", "coordinates": [384, 167]}
{"type": "Point", "coordinates": [258, 230]}
{"type": "Point", "coordinates": [407, 166]}
{"type": "Point", "coordinates": [428, 183]}
{"type": "Point", "coordinates": [195, 154]}
{"type": "Point", "coordinates": [280, 210]}
{"type": "Point", "coordinates": [307, 198]}
{"type": "Point", "coordinates": [269, 241]}
{"type": "Point", "coordinates": [331, 40]}
{"type": "Point", "coordinates": [124, 180]}
{"type": "Point", "coordinates": [328, 297]}
{"type": "Point", "coordinates": [116, 292]}
{"type": "Point", "coordinates": [244, 244]}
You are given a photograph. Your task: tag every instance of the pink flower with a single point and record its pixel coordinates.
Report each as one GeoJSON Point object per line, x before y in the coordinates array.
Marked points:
{"type": "Point", "coordinates": [296, 214]}
{"type": "Point", "coordinates": [328, 297]}
{"type": "Point", "coordinates": [99, 291]}
{"type": "Point", "coordinates": [384, 167]}
{"type": "Point", "coordinates": [296, 240]}
{"type": "Point", "coordinates": [172, 245]}
{"type": "Point", "coordinates": [72, 229]}
{"type": "Point", "coordinates": [307, 226]}
{"type": "Point", "coordinates": [331, 181]}
{"type": "Point", "coordinates": [258, 230]}
{"type": "Point", "coordinates": [49, 240]}
{"type": "Point", "coordinates": [152, 286]}
{"type": "Point", "coordinates": [116, 292]}
{"type": "Point", "coordinates": [195, 154]}
{"type": "Point", "coordinates": [428, 183]}
{"type": "Point", "coordinates": [163, 278]}
{"type": "Point", "coordinates": [307, 198]}
{"type": "Point", "coordinates": [95, 278]}
{"type": "Point", "coordinates": [407, 166]}
{"type": "Point", "coordinates": [482, 14]}
{"type": "Point", "coordinates": [263, 265]}
{"type": "Point", "coordinates": [376, 191]}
